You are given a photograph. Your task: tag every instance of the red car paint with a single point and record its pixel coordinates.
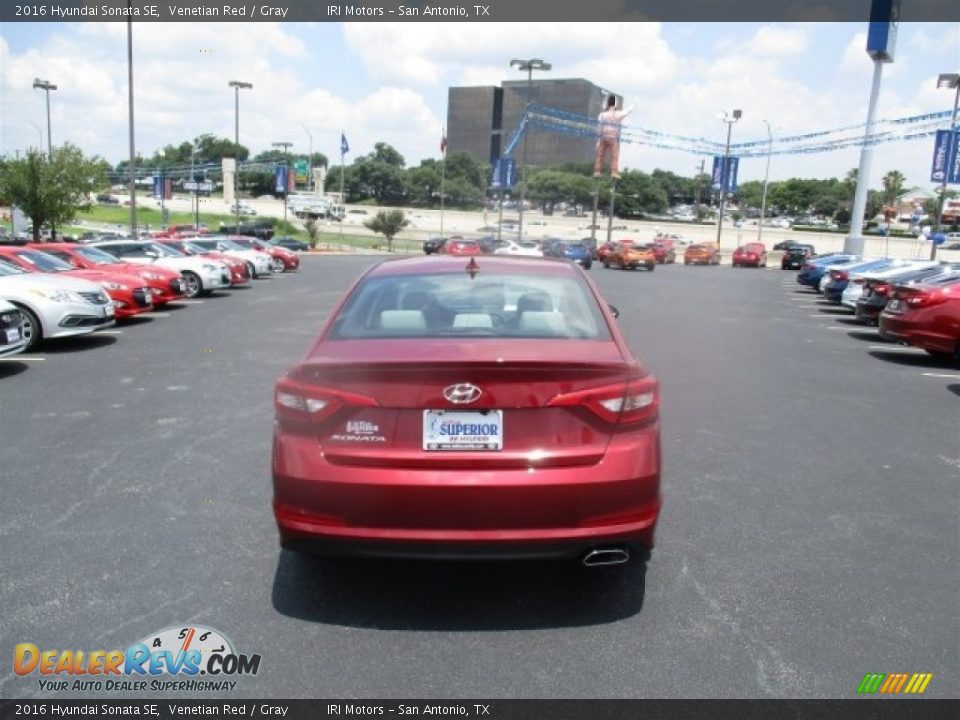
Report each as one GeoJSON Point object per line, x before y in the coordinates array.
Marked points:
{"type": "Point", "coordinates": [925, 316]}
{"type": "Point", "coordinates": [580, 462]}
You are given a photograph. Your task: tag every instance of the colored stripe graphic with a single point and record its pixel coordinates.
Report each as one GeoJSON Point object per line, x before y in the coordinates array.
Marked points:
{"type": "Point", "coordinates": [871, 682]}
{"type": "Point", "coordinates": [918, 683]}
{"type": "Point", "coordinates": [895, 683]}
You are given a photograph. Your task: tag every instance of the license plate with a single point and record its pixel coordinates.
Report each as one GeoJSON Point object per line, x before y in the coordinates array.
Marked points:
{"type": "Point", "coordinates": [894, 305]}
{"type": "Point", "coordinates": [462, 430]}
{"type": "Point", "coordinates": [109, 310]}
{"type": "Point", "coordinates": [13, 335]}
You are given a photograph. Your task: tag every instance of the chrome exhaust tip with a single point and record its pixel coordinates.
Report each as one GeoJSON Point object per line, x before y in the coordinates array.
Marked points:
{"type": "Point", "coordinates": [606, 556]}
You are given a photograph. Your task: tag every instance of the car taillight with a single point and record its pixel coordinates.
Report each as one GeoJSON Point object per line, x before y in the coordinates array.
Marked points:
{"type": "Point", "coordinates": [922, 298]}
{"type": "Point", "coordinates": [839, 275]}
{"type": "Point", "coordinates": [631, 403]}
{"type": "Point", "coordinates": [881, 289]}
{"type": "Point", "coordinates": [302, 406]}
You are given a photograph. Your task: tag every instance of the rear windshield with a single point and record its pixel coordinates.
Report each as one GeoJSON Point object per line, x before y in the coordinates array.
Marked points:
{"type": "Point", "coordinates": [454, 305]}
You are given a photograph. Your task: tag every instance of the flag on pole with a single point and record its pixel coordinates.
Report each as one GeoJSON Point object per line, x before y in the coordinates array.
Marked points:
{"type": "Point", "coordinates": [344, 148]}
{"type": "Point", "coordinates": [443, 143]}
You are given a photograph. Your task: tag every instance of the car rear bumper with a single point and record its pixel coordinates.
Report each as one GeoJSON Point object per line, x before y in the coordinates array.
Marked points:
{"type": "Point", "coordinates": [540, 512]}
{"type": "Point", "coordinates": [917, 333]}
{"type": "Point", "coordinates": [868, 311]}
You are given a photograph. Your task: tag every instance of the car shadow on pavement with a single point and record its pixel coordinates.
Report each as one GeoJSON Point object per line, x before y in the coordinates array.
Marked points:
{"type": "Point", "coordinates": [475, 595]}
{"type": "Point", "coordinates": [954, 388]}
{"type": "Point", "coordinates": [11, 368]}
{"type": "Point", "coordinates": [868, 336]}
{"type": "Point", "coordinates": [913, 359]}
{"type": "Point", "coordinates": [834, 310]}
{"type": "Point", "coordinates": [80, 343]}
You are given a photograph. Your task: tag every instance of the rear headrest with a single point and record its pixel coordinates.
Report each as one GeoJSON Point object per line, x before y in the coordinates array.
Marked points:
{"type": "Point", "coordinates": [544, 323]}
{"type": "Point", "coordinates": [403, 321]}
{"type": "Point", "coordinates": [535, 301]}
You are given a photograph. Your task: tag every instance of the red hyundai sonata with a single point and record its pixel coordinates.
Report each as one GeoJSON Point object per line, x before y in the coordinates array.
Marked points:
{"type": "Point", "coordinates": [481, 407]}
{"type": "Point", "coordinates": [925, 316]}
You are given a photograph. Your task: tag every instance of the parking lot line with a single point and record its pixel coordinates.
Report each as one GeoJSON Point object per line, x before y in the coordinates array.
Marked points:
{"type": "Point", "coordinates": [186, 302]}
{"type": "Point", "coordinates": [941, 375]}
{"type": "Point", "coordinates": [159, 314]}
{"type": "Point", "coordinates": [22, 358]}
{"type": "Point", "coordinates": [901, 348]}
{"type": "Point", "coordinates": [110, 332]}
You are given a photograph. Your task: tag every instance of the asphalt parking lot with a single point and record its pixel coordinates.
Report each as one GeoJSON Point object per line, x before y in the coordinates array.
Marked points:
{"type": "Point", "coordinates": [809, 532]}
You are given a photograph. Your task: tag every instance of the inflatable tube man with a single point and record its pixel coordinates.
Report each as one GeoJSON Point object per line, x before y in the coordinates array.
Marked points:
{"type": "Point", "coordinates": [608, 140]}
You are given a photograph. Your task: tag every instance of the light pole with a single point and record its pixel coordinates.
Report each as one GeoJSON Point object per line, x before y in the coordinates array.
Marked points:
{"type": "Point", "coordinates": [47, 86]}
{"type": "Point", "coordinates": [132, 165]}
{"type": "Point", "coordinates": [725, 175]}
{"type": "Point", "coordinates": [286, 180]}
{"type": "Point", "coordinates": [947, 80]}
{"type": "Point", "coordinates": [309, 160]}
{"type": "Point", "coordinates": [527, 66]}
{"type": "Point", "coordinates": [766, 179]}
{"type": "Point", "coordinates": [237, 85]}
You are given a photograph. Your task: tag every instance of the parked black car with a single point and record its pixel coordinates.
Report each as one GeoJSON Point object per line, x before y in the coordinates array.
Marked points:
{"type": "Point", "coordinates": [105, 199]}
{"type": "Point", "coordinates": [794, 256]}
{"type": "Point", "coordinates": [289, 243]}
{"type": "Point", "coordinates": [434, 245]}
{"type": "Point", "coordinates": [264, 232]}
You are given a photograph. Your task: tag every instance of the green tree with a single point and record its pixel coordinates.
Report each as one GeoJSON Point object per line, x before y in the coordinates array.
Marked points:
{"type": "Point", "coordinates": [637, 193]}
{"type": "Point", "coordinates": [313, 232]}
{"type": "Point", "coordinates": [51, 190]}
{"type": "Point", "coordinates": [892, 186]}
{"type": "Point", "coordinates": [423, 183]}
{"type": "Point", "coordinates": [387, 223]}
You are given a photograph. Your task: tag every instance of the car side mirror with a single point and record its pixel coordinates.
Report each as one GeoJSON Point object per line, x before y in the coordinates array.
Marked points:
{"type": "Point", "coordinates": [614, 310]}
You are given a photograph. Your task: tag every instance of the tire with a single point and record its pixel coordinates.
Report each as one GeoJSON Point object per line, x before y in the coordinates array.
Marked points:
{"type": "Point", "coordinates": [651, 267]}
{"type": "Point", "coordinates": [587, 265]}
{"type": "Point", "coordinates": [251, 270]}
{"type": "Point", "coordinates": [32, 329]}
{"type": "Point", "coordinates": [606, 264]}
{"type": "Point", "coordinates": [193, 285]}
{"type": "Point", "coordinates": [277, 265]}
{"type": "Point", "coordinates": [686, 262]}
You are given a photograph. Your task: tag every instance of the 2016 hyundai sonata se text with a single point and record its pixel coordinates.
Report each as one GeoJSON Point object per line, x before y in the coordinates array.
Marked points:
{"type": "Point", "coordinates": [482, 407]}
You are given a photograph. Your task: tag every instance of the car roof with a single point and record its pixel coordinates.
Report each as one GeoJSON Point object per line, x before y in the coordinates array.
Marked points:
{"type": "Point", "coordinates": [496, 264]}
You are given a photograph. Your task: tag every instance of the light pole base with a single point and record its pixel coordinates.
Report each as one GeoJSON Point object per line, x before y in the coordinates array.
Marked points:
{"type": "Point", "coordinates": [853, 244]}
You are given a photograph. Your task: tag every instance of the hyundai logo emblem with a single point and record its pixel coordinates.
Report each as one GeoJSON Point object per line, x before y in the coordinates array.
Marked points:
{"type": "Point", "coordinates": [462, 393]}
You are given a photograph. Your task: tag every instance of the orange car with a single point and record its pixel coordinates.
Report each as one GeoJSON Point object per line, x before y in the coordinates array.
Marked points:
{"type": "Point", "coordinates": [701, 255]}
{"type": "Point", "coordinates": [629, 256]}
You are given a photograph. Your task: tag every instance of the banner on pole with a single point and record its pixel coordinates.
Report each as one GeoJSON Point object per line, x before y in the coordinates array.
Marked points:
{"type": "Point", "coordinates": [725, 173]}
{"type": "Point", "coordinates": [946, 158]}
{"type": "Point", "coordinates": [281, 179]}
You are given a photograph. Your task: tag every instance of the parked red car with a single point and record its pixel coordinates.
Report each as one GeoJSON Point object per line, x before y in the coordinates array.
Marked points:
{"type": "Point", "coordinates": [469, 408]}
{"type": "Point", "coordinates": [128, 291]}
{"type": "Point", "coordinates": [165, 284]}
{"type": "Point", "coordinates": [753, 254]}
{"type": "Point", "coordinates": [925, 316]}
{"type": "Point", "coordinates": [461, 246]}
{"type": "Point", "coordinates": [239, 273]}
{"type": "Point", "coordinates": [605, 249]}
{"type": "Point", "coordinates": [282, 259]}
{"type": "Point", "coordinates": [665, 249]}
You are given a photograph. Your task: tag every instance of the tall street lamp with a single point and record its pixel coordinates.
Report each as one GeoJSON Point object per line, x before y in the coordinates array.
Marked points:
{"type": "Point", "coordinates": [946, 80]}
{"type": "Point", "coordinates": [286, 180]}
{"type": "Point", "coordinates": [766, 179]}
{"type": "Point", "coordinates": [237, 85]}
{"type": "Point", "coordinates": [729, 119]}
{"type": "Point", "coordinates": [527, 66]}
{"type": "Point", "coordinates": [47, 86]}
{"type": "Point", "coordinates": [309, 160]}
{"type": "Point", "coordinates": [132, 165]}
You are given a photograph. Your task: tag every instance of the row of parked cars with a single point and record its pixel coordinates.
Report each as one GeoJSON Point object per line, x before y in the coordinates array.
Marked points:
{"type": "Point", "coordinates": [56, 290]}
{"type": "Point", "coordinates": [912, 302]}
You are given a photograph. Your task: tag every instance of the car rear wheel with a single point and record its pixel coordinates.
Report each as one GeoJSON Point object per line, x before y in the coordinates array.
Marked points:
{"type": "Point", "coordinates": [193, 286]}
{"type": "Point", "coordinates": [277, 265]}
{"type": "Point", "coordinates": [651, 267]}
{"type": "Point", "coordinates": [32, 329]}
{"type": "Point", "coordinates": [251, 270]}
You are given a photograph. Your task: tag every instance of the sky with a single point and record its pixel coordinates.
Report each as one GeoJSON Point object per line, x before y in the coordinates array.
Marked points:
{"type": "Point", "coordinates": [388, 82]}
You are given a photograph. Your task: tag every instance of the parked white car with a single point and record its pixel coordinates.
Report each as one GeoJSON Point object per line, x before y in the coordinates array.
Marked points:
{"type": "Point", "coordinates": [854, 288]}
{"type": "Point", "coordinates": [54, 306]}
{"type": "Point", "coordinates": [242, 207]}
{"type": "Point", "coordinates": [12, 340]}
{"type": "Point", "coordinates": [525, 248]}
{"type": "Point", "coordinates": [258, 263]}
{"type": "Point", "coordinates": [201, 276]}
